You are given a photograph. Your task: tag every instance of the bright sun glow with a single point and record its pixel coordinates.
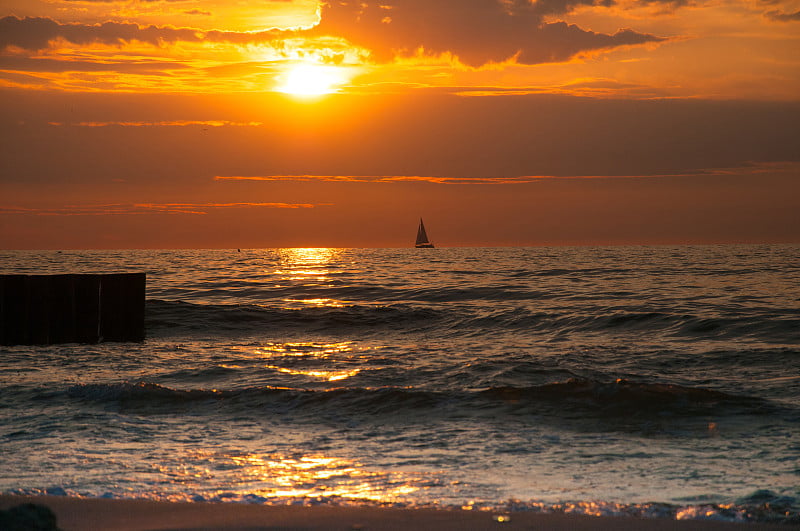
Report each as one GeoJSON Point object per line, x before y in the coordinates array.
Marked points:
{"type": "Point", "coordinates": [312, 80]}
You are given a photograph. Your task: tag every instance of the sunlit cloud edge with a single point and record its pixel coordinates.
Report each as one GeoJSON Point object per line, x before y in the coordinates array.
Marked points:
{"type": "Point", "coordinates": [147, 208]}
{"type": "Point", "coordinates": [752, 168]}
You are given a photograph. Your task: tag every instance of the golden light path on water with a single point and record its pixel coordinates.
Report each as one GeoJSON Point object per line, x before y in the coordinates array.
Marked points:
{"type": "Point", "coordinates": [340, 352]}
{"type": "Point", "coordinates": [307, 476]}
{"type": "Point", "coordinates": [302, 476]}
{"type": "Point", "coordinates": [309, 349]}
{"type": "Point", "coordinates": [298, 258]}
{"type": "Point", "coordinates": [319, 303]}
{"type": "Point", "coordinates": [308, 266]}
{"type": "Point", "coordinates": [279, 476]}
{"type": "Point", "coordinates": [331, 376]}
{"type": "Point", "coordinates": [312, 475]}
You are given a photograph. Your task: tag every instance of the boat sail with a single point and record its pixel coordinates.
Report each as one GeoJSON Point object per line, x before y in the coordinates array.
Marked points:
{"type": "Point", "coordinates": [422, 237]}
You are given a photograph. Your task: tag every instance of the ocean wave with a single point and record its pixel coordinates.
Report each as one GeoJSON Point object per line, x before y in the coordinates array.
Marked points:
{"type": "Point", "coordinates": [142, 391]}
{"type": "Point", "coordinates": [376, 400]}
{"type": "Point", "coordinates": [581, 272]}
{"type": "Point", "coordinates": [769, 328]}
{"type": "Point", "coordinates": [170, 317]}
{"type": "Point", "coordinates": [628, 397]}
{"type": "Point", "coordinates": [167, 317]}
{"type": "Point", "coordinates": [622, 398]}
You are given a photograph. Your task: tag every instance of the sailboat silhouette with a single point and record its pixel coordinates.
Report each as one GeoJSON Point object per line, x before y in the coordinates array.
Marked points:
{"type": "Point", "coordinates": [422, 237]}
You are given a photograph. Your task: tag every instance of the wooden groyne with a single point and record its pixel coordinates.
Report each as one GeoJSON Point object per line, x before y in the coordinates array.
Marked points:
{"type": "Point", "coordinates": [78, 308]}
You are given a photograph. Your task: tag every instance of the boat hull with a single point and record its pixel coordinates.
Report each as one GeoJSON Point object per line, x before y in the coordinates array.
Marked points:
{"type": "Point", "coordinates": [424, 246]}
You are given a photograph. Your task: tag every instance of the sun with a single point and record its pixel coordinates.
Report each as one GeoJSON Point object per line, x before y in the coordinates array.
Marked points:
{"type": "Point", "coordinates": [311, 80]}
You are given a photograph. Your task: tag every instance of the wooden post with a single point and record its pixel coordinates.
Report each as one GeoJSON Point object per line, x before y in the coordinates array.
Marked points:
{"type": "Point", "coordinates": [47, 309]}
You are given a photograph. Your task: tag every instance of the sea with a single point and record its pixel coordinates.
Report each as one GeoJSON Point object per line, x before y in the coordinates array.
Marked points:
{"type": "Point", "coordinates": [643, 381]}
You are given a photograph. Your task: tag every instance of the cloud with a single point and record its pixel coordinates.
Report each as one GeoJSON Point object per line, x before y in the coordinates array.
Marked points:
{"type": "Point", "coordinates": [36, 33]}
{"type": "Point", "coordinates": [162, 123]}
{"type": "Point", "coordinates": [420, 134]}
{"type": "Point", "coordinates": [780, 16]}
{"type": "Point", "coordinates": [121, 2]}
{"type": "Point", "coordinates": [37, 64]}
{"type": "Point", "coordinates": [477, 31]}
{"type": "Point", "coordinates": [376, 179]}
{"type": "Point", "coordinates": [560, 7]}
{"type": "Point", "coordinates": [384, 179]}
{"type": "Point", "coordinates": [751, 169]}
{"type": "Point", "coordinates": [147, 208]}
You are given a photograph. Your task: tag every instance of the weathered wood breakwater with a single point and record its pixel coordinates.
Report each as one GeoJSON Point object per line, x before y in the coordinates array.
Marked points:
{"type": "Point", "coordinates": [71, 308]}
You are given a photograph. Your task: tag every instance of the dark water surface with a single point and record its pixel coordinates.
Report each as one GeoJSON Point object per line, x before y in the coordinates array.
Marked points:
{"type": "Point", "coordinates": [662, 381]}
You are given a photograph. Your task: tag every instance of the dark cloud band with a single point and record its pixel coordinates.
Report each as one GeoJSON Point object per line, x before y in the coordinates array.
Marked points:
{"type": "Point", "coordinates": [477, 31]}
{"type": "Point", "coordinates": [36, 33]}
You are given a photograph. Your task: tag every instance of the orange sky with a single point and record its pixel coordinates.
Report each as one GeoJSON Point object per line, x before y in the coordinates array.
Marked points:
{"type": "Point", "coordinates": [201, 123]}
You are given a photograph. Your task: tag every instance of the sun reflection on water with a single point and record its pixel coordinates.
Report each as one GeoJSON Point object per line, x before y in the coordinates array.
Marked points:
{"type": "Point", "coordinates": [318, 475]}
{"type": "Point", "coordinates": [311, 268]}
{"type": "Point", "coordinates": [307, 260]}
{"type": "Point", "coordinates": [331, 376]}
{"type": "Point", "coordinates": [322, 361]}
{"type": "Point", "coordinates": [319, 303]}
{"type": "Point", "coordinates": [307, 349]}
{"type": "Point", "coordinates": [280, 476]}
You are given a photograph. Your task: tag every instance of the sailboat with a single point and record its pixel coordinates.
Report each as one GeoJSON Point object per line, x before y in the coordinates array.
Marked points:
{"type": "Point", "coordinates": [422, 237]}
